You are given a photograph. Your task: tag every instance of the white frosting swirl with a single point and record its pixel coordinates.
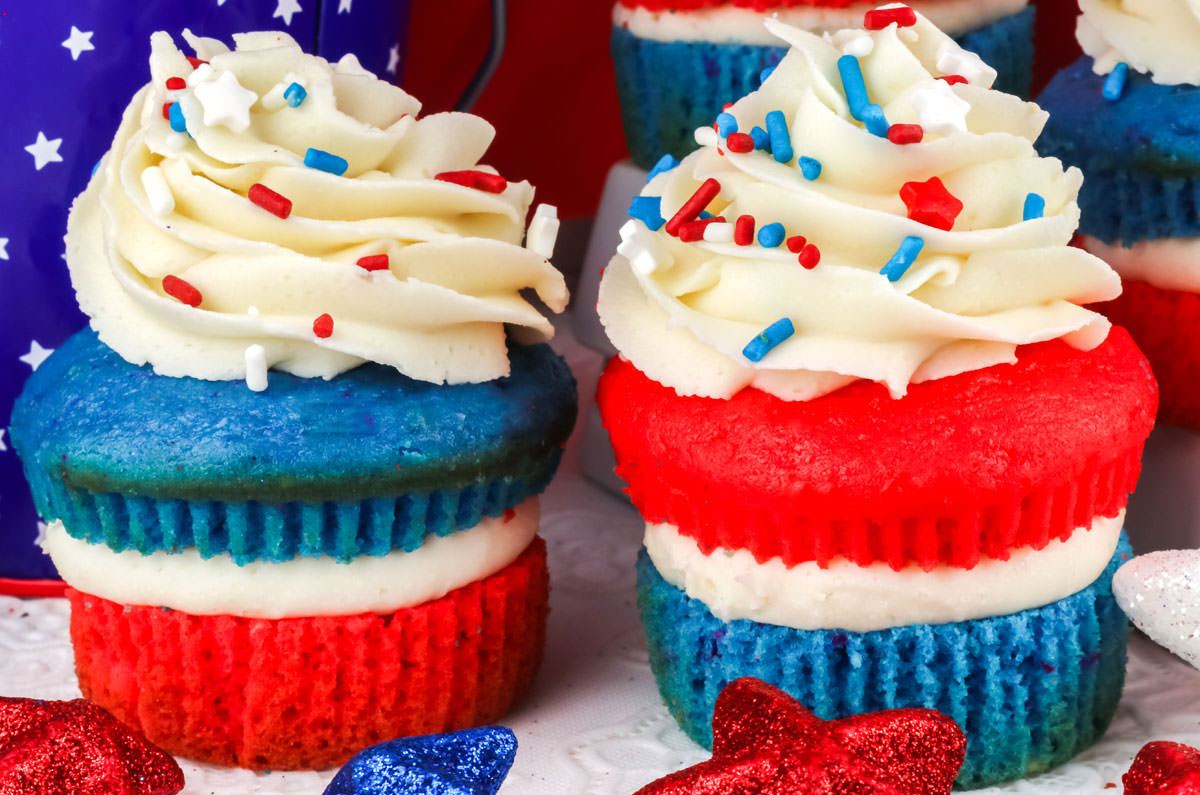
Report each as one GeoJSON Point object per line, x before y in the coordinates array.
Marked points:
{"type": "Point", "coordinates": [991, 283]}
{"type": "Point", "coordinates": [1169, 263]}
{"type": "Point", "coordinates": [165, 203]}
{"type": "Point", "coordinates": [1161, 37]}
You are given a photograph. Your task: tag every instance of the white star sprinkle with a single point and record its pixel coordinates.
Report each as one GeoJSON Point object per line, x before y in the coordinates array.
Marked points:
{"type": "Point", "coordinates": [3, 248]}
{"type": "Point", "coordinates": [285, 9]}
{"type": "Point", "coordinates": [78, 42]}
{"type": "Point", "coordinates": [37, 354]}
{"type": "Point", "coordinates": [941, 110]}
{"type": "Point", "coordinates": [226, 102]}
{"type": "Point", "coordinates": [3, 446]}
{"type": "Point", "coordinates": [344, 6]}
{"type": "Point", "coordinates": [394, 59]}
{"type": "Point", "coordinates": [44, 152]}
{"type": "Point", "coordinates": [42, 529]}
{"type": "Point", "coordinates": [220, 2]}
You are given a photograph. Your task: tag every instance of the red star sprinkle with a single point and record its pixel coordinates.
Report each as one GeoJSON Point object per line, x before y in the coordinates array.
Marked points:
{"type": "Point", "coordinates": [1163, 768]}
{"type": "Point", "coordinates": [77, 748]}
{"type": "Point", "coordinates": [323, 326]}
{"type": "Point", "coordinates": [880, 18]}
{"type": "Point", "coordinates": [930, 203]}
{"type": "Point", "coordinates": [766, 743]}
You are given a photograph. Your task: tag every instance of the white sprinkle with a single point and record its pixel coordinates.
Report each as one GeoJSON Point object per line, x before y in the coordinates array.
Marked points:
{"type": "Point", "coordinates": [707, 136]}
{"type": "Point", "coordinates": [201, 74]}
{"type": "Point", "coordinates": [158, 192]}
{"type": "Point", "coordinates": [256, 368]}
{"type": "Point", "coordinates": [628, 230]}
{"type": "Point", "coordinates": [718, 232]}
{"type": "Point", "coordinates": [273, 100]}
{"type": "Point", "coordinates": [638, 255]}
{"type": "Point", "coordinates": [854, 42]}
{"type": "Point", "coordinates": [941, 110]}
{"type": "Point", "coordinates": [543, 230]}
{"type": "Point", "coordinates": [954, 60]}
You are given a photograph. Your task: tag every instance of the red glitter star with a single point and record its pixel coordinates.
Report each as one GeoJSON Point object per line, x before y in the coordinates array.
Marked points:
{"type": "Point", "coordinates": [1163, 768]}
{"type": "Point", "coordinates": [77, 748]}
{"type": "Point", "coordinates": [766, 743]}
{"type": "Point", "coordinates": [930, 203]}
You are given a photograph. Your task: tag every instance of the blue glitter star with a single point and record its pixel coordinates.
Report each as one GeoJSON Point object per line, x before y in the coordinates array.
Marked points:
{"type": "Point", "coordinates": [467, 762]}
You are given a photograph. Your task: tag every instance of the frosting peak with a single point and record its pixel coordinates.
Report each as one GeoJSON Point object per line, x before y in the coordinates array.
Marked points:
{"type": "Point", "coordinates": [874, 220]}
{"type": "Point", "coordinates": [263, 207]}
{"type": "Point", "coordinates": [1160, 37]}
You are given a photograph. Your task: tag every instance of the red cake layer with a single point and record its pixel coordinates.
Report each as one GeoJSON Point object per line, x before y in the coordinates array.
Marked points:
{"type": "Point", "coordinates": [959, 469]}
{"type": "Point", "coordinates": [310, 692]}
{"type": "Point", "coordinates": [756, 5]}
{"type": "Point", "coordinates": [1163, 322]}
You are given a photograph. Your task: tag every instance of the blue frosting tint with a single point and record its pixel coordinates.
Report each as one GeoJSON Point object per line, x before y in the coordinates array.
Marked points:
{"type": "Point", "coordinates": [1140, 155]}
{"type": "Point", "coordinates": [467, 762]}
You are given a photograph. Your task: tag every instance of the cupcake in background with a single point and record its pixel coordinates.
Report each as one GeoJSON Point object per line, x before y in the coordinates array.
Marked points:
{"type": "Point", "coordinates": [881, 446]}
{"type": "Point", "coordinates": [678, 62]}
{"type": "Point", "coordinates": [291, 470]}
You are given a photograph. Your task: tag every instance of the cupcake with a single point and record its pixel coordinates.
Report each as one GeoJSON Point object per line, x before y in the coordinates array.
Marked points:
{"type": "Point", "coordinates": [881, 448]}
{"type": "Point", "coordinates": [291, 469]}
{"type": "Point", "coordinates": [679, 62]}
{"type": "Point", "coordinates": [1127, 113]}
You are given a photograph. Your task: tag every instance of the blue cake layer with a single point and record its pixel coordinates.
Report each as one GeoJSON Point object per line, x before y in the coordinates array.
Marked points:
{"type": "Point", "coordinates": [1030, 689]}
{"type": "Point", "coordinates": [364, 463]}
{"type": "Point", "coordinates": [669, 88]}
{"type": "Point", "coordinates": [1140, 154]}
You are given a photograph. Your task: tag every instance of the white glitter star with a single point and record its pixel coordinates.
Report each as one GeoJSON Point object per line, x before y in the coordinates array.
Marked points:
{"type": "Point", "coordinates": [3, 446]}
{"type": "Point", "coordinates": [42, 529]}
{"type": "Point", "coordinates": [941, 110]}
{"type": "Point", "coordinates": [79, 42]}
{"type": "Point", "coordinates": [3, 248]}
{"type": "Point", "coordinates": [285, 9]}
{"type": "Point", "coordinates": [344, 6]}
{"type": "Point", "coordinates": [220, 2]}
{"type": "Point", "coordinates": [44, 151]}
{"type": "Point", "coordinates": [37, 354]}
{"type": "Point", "coordinates": [394, 59]}
{"type": "Point", "coordinates": [226, 102]}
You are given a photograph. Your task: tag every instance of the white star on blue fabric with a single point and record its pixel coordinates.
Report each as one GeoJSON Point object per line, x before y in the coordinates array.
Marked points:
{"type": "Point", "coordinates": [3, 446]}
{"type": "Point", "coordinates": [37, 354]}
{"type": "Point", "coordinates": [44, 151]}
{"type": "Point", "coordinates": [3, 248]}
{"type": "Point", "coordinates": [394, 59]}
{"type": "Point", "coordinates": [80, 41]}
{"type": "Point", "coordinates": [344, 6]}
{"type": "Point", "coordinates": [285, 9]}
{"type": "Point", "coordinates": [226, 102]}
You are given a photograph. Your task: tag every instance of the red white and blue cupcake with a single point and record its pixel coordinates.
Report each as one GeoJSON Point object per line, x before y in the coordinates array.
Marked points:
{"type": "Point", "coordinates": [881, 447]}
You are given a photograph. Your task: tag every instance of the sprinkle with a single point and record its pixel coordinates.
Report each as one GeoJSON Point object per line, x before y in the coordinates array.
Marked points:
{"type": "Point", "coordinates": [880, 18]}
{"type": "Point", "coordinates": [874, 120]}
{"type": "Point", "coordinates": [954, 60]}
{"type": "Point", "coordinates": [323, 326]}
{"type": "Point", "coordinates": [810, 255]}
{"type": "Point", "coordinates": [374, 262]}
{"type": "Point", "coordinates": [269, 200]}
{"type": "Point", "coordinates": [256, 368]}
{"type": "Point", "coordinates": [175, 114]}
{"type": "Point", "coordinates": [635, 250]}
{"type": "Point", "coordinates": [294, 95]}
{"type": "Point", "coordinates": [930, 203]}
{"type": "Point", "coordinates": [795, 243]}
{"type": "Point", "coordinates": [908, 252]}
{"type": "Point", "coordinates": [707, 191]}
{"type": "Point", "coordinates": [176, 83]}
{"type": "Point", "coordinates": [781, 139]}
{"type": "Point", "coordinates": [768, 339]}
{"type": "Point", "coordinates": [771, 235]}
{"type": "Point", "coordinates": [953, 79]}
{"type": "Point", "coordinates": [325, 161]}
{"type": "Point", "coordinates": [704, 214]}
{"type": "Point", "coordinates": [195, 62]}
{"type": "Point", "coordinates": [180, 290]}
{"type": "Point", "coordinates": [480, 180]}
{"type": "Point", "coordinates": [648, 210]}
{"type": "Point", "coordinates": [1035, 207]}
{"type": "Point", "coordinates": [1114, 84]}
{"type": "Point", "coordinates": [718, 232]}
{"type": "Point", "coordinates": [226, 102]}
{"type": "Point", "coordinates": [905, 133]}
{"type": "Point", "coordinates": [853, 85]}
{"type": "Point", "coordinates": [692, 231]}
{"type": "Point", "coordinates": [167, 110]}
{"type": "Point", "coordinates": [664, 164]}
{"type": "Point", "coordinates": [761, 137]}
{"type": "Point", "coordinates": [543, 230]}
{"type": "Point", "coordinates": [941, 110]}
{"type": "Point", "coordinates": [810, 167]}
{"type": "Point", "coordinates": [765, 73]}
{"type": "Point", "coordinates": [158, 192]}
{"type": "Point", "coordinates": [860, 46]}
{"type": "Point", "coordinates": [740, 143]}
{"type": "Point", "coordinates": [743, 230]}
{"type": "Point", "coordinates": [726, 124]}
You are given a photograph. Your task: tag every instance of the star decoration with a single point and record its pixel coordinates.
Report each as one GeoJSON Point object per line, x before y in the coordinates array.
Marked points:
{"type": "Point", "coordinates": [226, 102]}
{"type": "Point", "coordinates": [44, 151]}
{"type": "Point", "coordinates": [1163, 768]}
{"type": "Point", "coordinates": [1158, 591]}
{"type": "Point", "coordinates": [344, 6]}
{"type": "Point", "coordinates": [37, 354]}
{"type": "Point", "coordinates": [285, 9]}
{"type": "Point", "coordinates": [3, 446]}
{"type": "Point", "coordinates": [79, 42]}
{"type": "Point", "coordinates": [393, 59]}
{"type": "Point", "coordinates": [3, 248]}
{"type": "Point", "coordinates": [930, 203]}
{"type": "Point", "coordinates": [766, 743]}
{"type": "Point", "coordinates": [468, 762]}
{"type": "Point", "coordinates": [941, 110]}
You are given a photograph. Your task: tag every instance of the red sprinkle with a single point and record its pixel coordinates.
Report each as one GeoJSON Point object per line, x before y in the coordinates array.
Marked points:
{"type": "Point", "coordinates": [509, 514]}
{"type": "Point", "coordinates": [740, 142]}
{"type": "Point", "coordinates": [953, 79]}
{"type": "Point", "coordinates": [323, 326]}
{"type": "Point", "coordinates": [692, 231]}
{"type": "Point", "coordinates": [810, 255]}
{"type": "Point", "coordinates": [167, 110]}
{"type": "Point", "coordinates": [796, 242]}
{"type": "Point", "coordinates": [743, 230]}
{"type": "Point", "coordinates": [181, 290]}
{"type": "Point", "coordinates": [269, 200]}
{"type": "Point", "coordinates": [880, 18]}
{"type": "Point", "coordinates": [176, 83]}
{"type": "Point", "coordinates": [480, 180]}
{"type": "Point", "coordinates": [930, 203]}
{"type": "Point", "coordinates": [692, 207]}
{"type": "Point", "coordinates": [374, 262]}
{"type": "Point", "coordinates": [195, 62]}
{"type": "Point", "coordinates": [906, 133]}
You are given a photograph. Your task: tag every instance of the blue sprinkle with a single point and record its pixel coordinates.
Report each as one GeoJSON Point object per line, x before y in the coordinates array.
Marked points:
{"type": "Point", "coordinates": [873, 118]}
{"type": "Point", "coordinates": [96, 167]}
{"type": "Point", "coordinates": [853, 85]}
{"type": "Point", "coordinates": [810, 167]}
{"type": "Point", "coordinates": [771, 235]}
{"type": "Point", "coordinates": [1035, 207]}
{"type": "Point", "coordinates": [324, 161]}
{"type": "Point", "coordinates": [705, 214]}
{"type": "Point", "coordinates": [178, 123]}
{"type": "Point", "coordinates": [906, 255]}
{"type": "Point", "coordinates": [726, 124]}
{"type": "Point", "coordinates": [665, 163]}
{"type": "Point", "coordinates": [781, 139]}
{"type": "Point", "coordinates": [295, 94]}
{"type": "Point", "coordinates": [1114, 84]}
{"type": "Point", "coordinates": [765, 73]}
{"type": "Point", "coordinates": [761, 137]}
{"type": "Point", "coordinates": [648, 210]}
{"type": "Point", "coordinates": [768, 339]}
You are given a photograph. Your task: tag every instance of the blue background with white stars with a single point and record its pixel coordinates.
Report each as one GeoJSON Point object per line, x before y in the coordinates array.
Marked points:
{"type": "Point", "coordinates": [69, 68]}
